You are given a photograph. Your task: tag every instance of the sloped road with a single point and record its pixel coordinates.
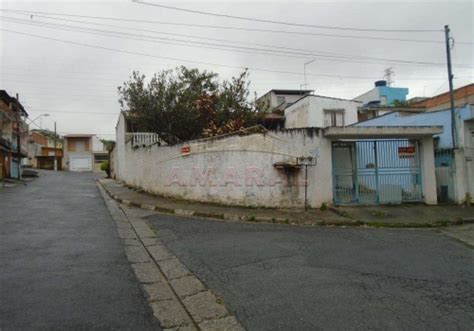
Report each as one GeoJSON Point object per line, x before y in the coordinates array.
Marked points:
{"type": "Point", "coordinates": [62, 265]}
{"type": "Point", "coordinates": [277, 277]}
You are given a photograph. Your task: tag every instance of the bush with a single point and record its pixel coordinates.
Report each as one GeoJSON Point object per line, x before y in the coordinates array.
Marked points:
{"type": "Point", "coordinates": [105, 166]}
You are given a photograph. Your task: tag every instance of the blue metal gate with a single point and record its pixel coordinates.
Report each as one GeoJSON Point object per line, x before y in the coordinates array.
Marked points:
{"type": "Point", "coordinates": [376, 172]}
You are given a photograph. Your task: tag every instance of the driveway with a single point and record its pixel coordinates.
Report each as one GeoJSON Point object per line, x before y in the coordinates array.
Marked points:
{"type": "Point", "coordinates": [62, 263]}
{"type": "Point", "coordinates": [277, 277]}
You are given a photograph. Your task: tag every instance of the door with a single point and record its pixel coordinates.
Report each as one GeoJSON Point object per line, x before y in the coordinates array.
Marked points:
{"type": "Point", "coordinates": [378, 171]}
{"type": "Point", "coordinates": [80, 163]}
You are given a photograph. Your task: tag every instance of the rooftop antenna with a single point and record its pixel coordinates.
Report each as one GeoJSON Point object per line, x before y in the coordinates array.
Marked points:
{"type": "Point", "coordinates": [388, 74]}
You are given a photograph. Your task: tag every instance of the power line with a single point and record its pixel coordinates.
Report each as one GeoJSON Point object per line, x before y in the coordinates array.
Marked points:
{"type": "Point", "coordinates": [96, 134]}
{"type": "Point", "coordinates": [93, 75]}
{"type": "Point", "coordinates": [177, 34]}
{"type": "Point", "coordinates": [327, 56]}
{"type": "Point", "coordinates": [281, 22]}
{"type": "Point", "coordinates": [72, 112]}
{"type": "Point", "coordinates": [297, 51]}
{"type": "Point", "coordinates": [222, 27]}
{"type": "Point", "coordinates": [55, 76]}
{"type": "Point", "coordinates": [122, 35]}
{"type": "Point", "coordinates": [162, 57]}
{"type": "Point", "coordinates": [151, 55]}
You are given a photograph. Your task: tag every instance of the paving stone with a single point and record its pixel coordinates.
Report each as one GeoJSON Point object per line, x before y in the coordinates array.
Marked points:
{"type": "Point", "coordinates": [228, 323]}
{"type": "Point", "coordinates": [146, 272]}
{"type": "Point", "coordinates": [151, 241]}
{"type": "Point", "coordinates": [183, 328]}
{"type": "Point", "coordinates": [137, 213]}
{"type": "Point", "coordinates": [170, 313]}
{"type": "Point", "coordinates": [136, 222]}
{"type": "Point", "coordinates": [144, 231]}
{"type": "Point", "coordinates": [131, 242]}
{"type": "Point", "coordinates": [126, 233]}
{"type": "Point", "coordinates": [186, 286]}
{"type": "Point", "coordinates": [158, 291]}
{"type": "Point", "coordinates": [173, 268]}
{"type": "Point", "coordinates": [118, 217]}
{"type": "Point", "coordinates": [159, 252]}
{"type": "Point", "coordinates": [123, 225]}
{"type": "Point", "coordinates": [137, 254]}
{"type": "Point", "coordinates": [203, 306]}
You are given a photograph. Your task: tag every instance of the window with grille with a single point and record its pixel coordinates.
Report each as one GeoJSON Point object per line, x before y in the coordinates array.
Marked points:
{"type": "Point", "coordinates": [333, 117]}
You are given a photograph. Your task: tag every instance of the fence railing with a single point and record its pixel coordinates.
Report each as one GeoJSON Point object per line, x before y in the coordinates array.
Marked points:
{"type": "Point", "coordinates": [142, 139]}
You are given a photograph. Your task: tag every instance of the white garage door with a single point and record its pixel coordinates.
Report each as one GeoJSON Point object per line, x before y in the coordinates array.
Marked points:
{"type": "Point", "coordinates": [81, 163]}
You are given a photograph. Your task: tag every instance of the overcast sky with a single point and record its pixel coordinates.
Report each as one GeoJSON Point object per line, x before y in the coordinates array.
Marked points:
{"type": "Point", "coordinates": [76, 82]}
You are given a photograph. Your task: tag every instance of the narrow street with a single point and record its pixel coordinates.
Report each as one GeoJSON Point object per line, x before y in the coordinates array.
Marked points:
{"type": "Point", "coordinates": [281, 277]}
{"type": "Point", "coordinates": [62, 262]}
{"type": "Point", "coordinates": [64, 267]}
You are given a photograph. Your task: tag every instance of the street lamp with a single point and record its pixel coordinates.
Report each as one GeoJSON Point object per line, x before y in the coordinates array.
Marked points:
{"type": "Point", "coordinates": [40, 117]}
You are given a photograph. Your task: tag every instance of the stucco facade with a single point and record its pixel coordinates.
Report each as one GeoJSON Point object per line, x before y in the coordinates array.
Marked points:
{"type": "Point", "coordinates": [78, 154]}
{"type": "Point", "coordinates": [280, 99]}
{"type": "Point", "coordinates": [237, 170]}
{"type": "Point", "coordinates": [312, 111]}
{"type": "Point", "coordinates": [260, 169]}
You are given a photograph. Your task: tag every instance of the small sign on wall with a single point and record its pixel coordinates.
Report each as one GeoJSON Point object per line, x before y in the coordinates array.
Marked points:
{"type": "Point", "coordinates": [185, 150]}
{"type": "Point", "coordinates": [406, 152]}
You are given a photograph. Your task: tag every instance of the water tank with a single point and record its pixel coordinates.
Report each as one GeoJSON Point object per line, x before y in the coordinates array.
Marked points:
{"type": "Point", "coordinates": [380, 83]}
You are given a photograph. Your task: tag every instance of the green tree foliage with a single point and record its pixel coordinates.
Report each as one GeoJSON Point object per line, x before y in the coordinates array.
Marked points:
{"type": "Point", "coordinates": [109, 144]}
{"type": "Point", "coordinates": [185, 104]}
{"type": "Point", "coordinates": [401, 104]}
{"type": "Point", "coordinates": [47, 133]}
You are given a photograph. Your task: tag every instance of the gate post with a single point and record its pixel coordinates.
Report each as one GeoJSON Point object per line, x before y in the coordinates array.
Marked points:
{"type": "Point", "coordinates": [376, 161]}
{"type": "Point", "coordinates": [428, 176]}
{"type": "Point", "coordinates": [355, 174]}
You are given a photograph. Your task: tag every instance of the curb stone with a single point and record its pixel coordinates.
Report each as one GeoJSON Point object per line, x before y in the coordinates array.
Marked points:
{"type": "Point", "coordinates": [245, 218]}
{"type": "Point", "coordinates": [204, 306]}
{"type": "Point", "coordinates": [226, 323]}
{"type": "Point", "coordinates": [177, 298]}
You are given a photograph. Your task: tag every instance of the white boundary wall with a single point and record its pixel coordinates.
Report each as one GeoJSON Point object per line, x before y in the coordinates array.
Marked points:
{"type": "Point", "coordinates": [235, 170]}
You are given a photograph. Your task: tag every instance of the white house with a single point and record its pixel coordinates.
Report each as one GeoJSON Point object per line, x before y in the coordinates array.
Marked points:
{"type": "Point", "coordinates": [320, 111]}
{"type": "Point", "coordinates": [280, 99]}
{"type": "Point", "coordinates": [78, 152]}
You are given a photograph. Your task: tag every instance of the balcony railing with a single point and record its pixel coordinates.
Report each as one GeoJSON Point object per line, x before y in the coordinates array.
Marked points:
{"type": "Point", "coordinates": [142, 139]}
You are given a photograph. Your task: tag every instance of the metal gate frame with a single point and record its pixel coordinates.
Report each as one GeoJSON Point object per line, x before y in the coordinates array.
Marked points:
{"type": "Point", "coordinates": [376, 171]}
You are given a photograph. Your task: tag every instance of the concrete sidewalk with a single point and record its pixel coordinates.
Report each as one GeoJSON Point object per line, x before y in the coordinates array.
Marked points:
{"type": "Point", "coordinates": [382, 216]}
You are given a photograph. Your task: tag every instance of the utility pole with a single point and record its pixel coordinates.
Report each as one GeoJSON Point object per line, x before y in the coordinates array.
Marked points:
{"type": "Point", "coordinates": [450, 80]}
{"type": "Point", "coordinates": [18, 135]}
{"type": "Point", "coordinates": [55, 149]}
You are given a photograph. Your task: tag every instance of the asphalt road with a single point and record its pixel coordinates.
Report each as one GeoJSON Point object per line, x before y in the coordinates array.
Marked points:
{"type": "Point", "coordinates": [62, 265]}
{"type": "Point", "coordinates": [277, 277]}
